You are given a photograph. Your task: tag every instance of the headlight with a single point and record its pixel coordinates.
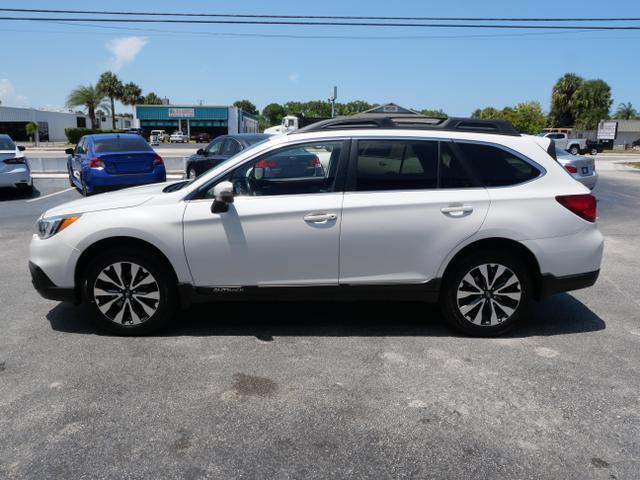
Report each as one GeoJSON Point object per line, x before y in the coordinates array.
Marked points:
{"type": "Point", "coordinates": [48, 227]}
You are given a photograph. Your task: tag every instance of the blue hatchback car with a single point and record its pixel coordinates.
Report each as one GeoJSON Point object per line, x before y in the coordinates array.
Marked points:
{"type": "Point", "coordinates": [113, 160]}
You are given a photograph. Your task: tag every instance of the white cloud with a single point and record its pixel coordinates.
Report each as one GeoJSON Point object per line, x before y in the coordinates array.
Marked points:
{"type": "Point", "coordinates": [8, 96]}
{"type": "Point", "coordinates": [293, 77]}
{"type": "Point", "coordinates": [125, 50]}
{"type": "Point", "coordinates": [6, 88]}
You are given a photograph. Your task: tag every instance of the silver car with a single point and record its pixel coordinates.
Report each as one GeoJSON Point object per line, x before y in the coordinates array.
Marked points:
{"type": "Point", "coordinates": [14, 169]}
{"type": "Point", "coordinates": [583, 169]}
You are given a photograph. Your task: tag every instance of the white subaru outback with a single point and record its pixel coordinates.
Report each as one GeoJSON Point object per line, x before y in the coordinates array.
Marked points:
{"type": "Point", "coordinates": [468, 213]}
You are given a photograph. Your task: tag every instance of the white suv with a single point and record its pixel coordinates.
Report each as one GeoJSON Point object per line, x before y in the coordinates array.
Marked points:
{"type": "Point", "coordinates": [464, 212]}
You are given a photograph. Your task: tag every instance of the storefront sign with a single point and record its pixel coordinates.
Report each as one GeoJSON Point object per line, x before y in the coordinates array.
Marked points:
{"type": "Point", "coordinates": [182, 113]}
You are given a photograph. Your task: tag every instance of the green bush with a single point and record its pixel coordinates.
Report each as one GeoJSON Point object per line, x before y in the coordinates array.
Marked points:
{"type": "Point", "coordinates": [75, 134]}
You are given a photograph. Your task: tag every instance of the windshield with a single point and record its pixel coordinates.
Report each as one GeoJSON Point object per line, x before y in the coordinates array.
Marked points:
{"type": "Point", "coordinates": [121, 144]}
{"type": "Point", "coordinates": [6, 143]}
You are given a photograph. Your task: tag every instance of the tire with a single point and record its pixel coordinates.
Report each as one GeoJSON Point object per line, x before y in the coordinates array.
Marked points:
{"type": "Point", "coordinates": [191, 173]}
{"type": "Point", "coordinates": [475, 313]}
{"type": "Point", "coordinates": [70, 178]}
{"type": "Point", "coordinates": [117, 308]}
{"type": "Point", "coordinates": [84, 190]}
{"type": "Point", "coordinates": [27, 189]}
{"type": "Point", "coordinates": [574, 150]}
{"type": "Point", "coordinates": [594, 151]}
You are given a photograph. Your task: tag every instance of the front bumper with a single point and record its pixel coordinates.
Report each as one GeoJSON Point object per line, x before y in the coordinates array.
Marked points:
{"type": "Point", "coordinates": [47, 289]}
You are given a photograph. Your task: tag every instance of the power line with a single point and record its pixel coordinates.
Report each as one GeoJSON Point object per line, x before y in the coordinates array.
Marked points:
{"type": "Point", "coordinates": [319, 37]}
{"type": "Point", "coordinates": [324, 24]}
{"type": "Point", "coordinates": [324, 17]}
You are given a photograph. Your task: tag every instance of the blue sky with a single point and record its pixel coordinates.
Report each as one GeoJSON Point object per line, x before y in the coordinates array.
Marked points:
{"type": "Point", "coordinates": [42, 62]}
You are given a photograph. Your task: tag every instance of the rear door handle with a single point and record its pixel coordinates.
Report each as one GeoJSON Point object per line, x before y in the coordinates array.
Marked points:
{"type": "Point", "coordinates": [457, 210]}
{"type": "Point", "coordinates": [320, 217]}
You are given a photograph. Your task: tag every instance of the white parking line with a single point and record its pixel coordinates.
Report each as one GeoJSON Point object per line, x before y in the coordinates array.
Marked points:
{"type": "Point", "coordinates": [50, 195]}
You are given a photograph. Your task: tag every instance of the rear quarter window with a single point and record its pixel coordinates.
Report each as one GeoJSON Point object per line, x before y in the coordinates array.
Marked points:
{"type": "Point", "coordinates": [496, 167]}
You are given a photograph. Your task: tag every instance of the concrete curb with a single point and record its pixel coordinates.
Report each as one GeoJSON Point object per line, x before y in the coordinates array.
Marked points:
{"type": "Point", "coordinates": [59, 165]}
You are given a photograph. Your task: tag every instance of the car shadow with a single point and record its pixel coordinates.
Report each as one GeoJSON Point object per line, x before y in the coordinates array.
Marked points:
{"type": "Point", "coordinates": [559, 315]}
{"type": "Point", "coordinates": [8, 194]}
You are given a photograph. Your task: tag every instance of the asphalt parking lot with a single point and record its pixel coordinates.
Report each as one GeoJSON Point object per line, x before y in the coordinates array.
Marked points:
{"type": "Point", "coordinates": [324, 390]}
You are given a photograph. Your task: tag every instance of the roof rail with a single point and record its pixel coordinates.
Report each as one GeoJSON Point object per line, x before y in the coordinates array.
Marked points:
{"type": "Point", "coordinates": [412, 122]}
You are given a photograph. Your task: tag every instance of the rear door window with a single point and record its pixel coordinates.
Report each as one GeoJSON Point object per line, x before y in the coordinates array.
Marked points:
{"type": "Point", "coordinates": [496, 167]}
{"type": "Point", "coordinates": [396, 165]}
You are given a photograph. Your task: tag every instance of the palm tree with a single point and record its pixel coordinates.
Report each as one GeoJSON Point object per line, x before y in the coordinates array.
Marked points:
{"type": "Point", "coordinates": [32, 129]}
{"type": "Point", "coordinates": [152, 99]}
{"type": "Point", "coordinates": [89, 97]}
{"type": "Point", "coordinates": [131, 94]}
{"type": "Point", "coordinates": [626, 111]}
{"type": "Point", "coordinates": [111, 86]}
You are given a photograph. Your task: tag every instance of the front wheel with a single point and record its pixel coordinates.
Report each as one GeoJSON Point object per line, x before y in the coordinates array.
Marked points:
{"type": "Point", "coordinates": [131, 292]}
{"type": "Point", "coordinates": [574, 150]}
{"type": "Point", "coordinates": [486, 294]}
{"type": "Point", "coordinates": [594, 151]}
{"type": "Point", "coordinates": [191, 173]}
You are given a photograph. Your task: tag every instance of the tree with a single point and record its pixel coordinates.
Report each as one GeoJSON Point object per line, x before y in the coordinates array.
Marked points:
{"type": "Point", "coordinates": [131, 94]}
{"type": "Point", "coordinates": [90, 98]}
{"type": "Point", "coordinates": [488, 113]}
{"type": "Point", "coordinates": [562, 97]}
{"type": "Point", "coordinates": [273, 113]}
{"type": "Point", "coordinates": [526, 117]}
{"type": "Point", "coordinates": [434, 113]}
{"type": "Point", "coordinates": [591, 103]}
{"type": "Point", "coordinates": [247, 106]}
{"type": "Point", "coordinates": [354, 107]}
{"type": "Point", "coordinates": [626, 111]}
{"type": "Point", "coordinates": [32, 129]}
{"type": "Point", "coordinates": [111, 86]}
{"type": "Point", "coordinates": [151, 99]}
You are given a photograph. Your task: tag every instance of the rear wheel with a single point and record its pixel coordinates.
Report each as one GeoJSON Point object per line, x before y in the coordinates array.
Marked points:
{"type": "Point", "coordinates": [594, 151]}
{"type": "Point", "coordinates": [574, 150]}
{"type": "Point", "coordinates": [191, 173]}
{"type": "Point", "coordinates": [131, 292]}
{"type": "Point", "coordinates": [485, 294]}
{"type": "Point", "coordinates": [84, 190]}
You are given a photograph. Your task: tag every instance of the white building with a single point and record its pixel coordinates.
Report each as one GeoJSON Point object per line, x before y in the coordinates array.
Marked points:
{"type": "Point", "coordinates": [52, 124]}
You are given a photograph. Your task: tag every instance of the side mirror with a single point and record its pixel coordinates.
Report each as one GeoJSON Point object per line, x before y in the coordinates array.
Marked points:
{"type": "Point", "coordinates": [200, 151]}
{"type": "Point", "coordinates": [223, 195]}
{"type": "Point", "coordinates": [21, 148]}
{"type": "Point", "coordinates": [68, 151]}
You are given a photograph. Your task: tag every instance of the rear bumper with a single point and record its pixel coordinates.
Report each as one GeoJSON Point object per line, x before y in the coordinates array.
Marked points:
{"type": "Point", "coordinates": [21, 175]}
{"type": "Point", "coordinates": [588, 181]}
{"type": "Point", "coordinates": [550, 284]}
{"type": "Point", "coordinates": [47, 289]}
{"type": "Point", "coordinates": [99, 178]}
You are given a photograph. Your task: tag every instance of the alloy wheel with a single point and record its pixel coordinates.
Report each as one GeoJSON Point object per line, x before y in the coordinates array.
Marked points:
{"type": "Point", "coordinates": [126, 293]}
{"type": "Point", "coordinates": [488, 294]}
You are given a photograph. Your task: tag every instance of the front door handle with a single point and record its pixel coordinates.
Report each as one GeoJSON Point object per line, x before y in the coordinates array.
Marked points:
{"type": "Point", "coordinates": [457, 210]}
{"type": "Point", "coordinates": [320, 217]}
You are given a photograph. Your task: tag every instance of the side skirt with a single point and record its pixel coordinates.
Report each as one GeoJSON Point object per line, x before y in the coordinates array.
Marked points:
{"type": "Point", "coordinates": [425, 292]}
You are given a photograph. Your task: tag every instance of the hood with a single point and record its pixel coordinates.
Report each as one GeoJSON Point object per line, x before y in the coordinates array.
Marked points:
{"type": "Point", "coordinates": [128, 197]}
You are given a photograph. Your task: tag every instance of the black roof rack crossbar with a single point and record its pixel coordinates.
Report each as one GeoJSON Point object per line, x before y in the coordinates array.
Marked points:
{"type": "Point", "coordinates": [412, 122]}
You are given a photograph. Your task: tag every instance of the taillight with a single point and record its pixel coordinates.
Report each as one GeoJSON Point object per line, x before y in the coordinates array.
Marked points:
{"type": "Point", "coordinates": [16, 161]}
{"type": "Point", "coordinates": [571, 169]}
{"type": "Point", "coordinates": [267, 164]}
{"type": "Point", "coordinates": [314, 162]}
{"type": "Point", "coordinates": [582, 205]}
{"type": "Point", "coordinates": [157, 160]}
{"type": "Point", "coordinates": [95, 162]}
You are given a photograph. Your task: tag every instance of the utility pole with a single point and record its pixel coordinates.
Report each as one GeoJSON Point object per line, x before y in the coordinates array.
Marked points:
{"type": "Point", "coordinates": [332, 99]}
